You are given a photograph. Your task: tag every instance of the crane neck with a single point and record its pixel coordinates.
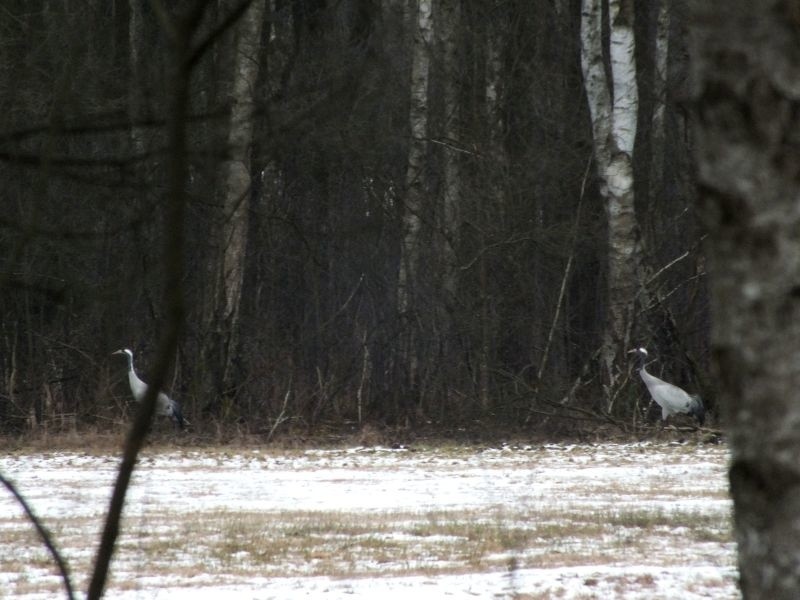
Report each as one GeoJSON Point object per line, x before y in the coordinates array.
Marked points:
{"type": "Point", "coordinates": [130, 361]}
{"type": "Point", "coordinates": [640, 359]}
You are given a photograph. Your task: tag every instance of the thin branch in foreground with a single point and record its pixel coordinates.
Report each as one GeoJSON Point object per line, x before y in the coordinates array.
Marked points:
{"type": "Point", "coordinates": [177, 173]}
{"type": "Point", "coordinates": [47, 540]}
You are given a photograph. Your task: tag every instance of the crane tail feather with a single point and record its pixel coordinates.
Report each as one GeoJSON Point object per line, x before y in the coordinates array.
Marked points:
{"type": "Point", "coordinates": [697, 410]}
{"type": "Point", "coordinates": [177, 416]}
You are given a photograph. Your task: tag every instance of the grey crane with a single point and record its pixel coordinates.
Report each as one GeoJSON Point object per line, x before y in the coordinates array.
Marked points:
{"type": "Point", "coordinates": [165, 405]}
{"type": "Point", "coordinates": [672, 399]}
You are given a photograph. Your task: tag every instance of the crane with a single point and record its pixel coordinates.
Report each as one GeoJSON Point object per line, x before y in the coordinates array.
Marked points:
{"type": "Point", "coordinates": [672, 399]}
{"type": "Point", "coordinates": [165, 405]}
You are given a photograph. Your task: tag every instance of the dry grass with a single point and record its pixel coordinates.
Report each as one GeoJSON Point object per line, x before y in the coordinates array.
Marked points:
{"type": "Point", "coordinates": [340, 544]}
{"type": "Point", "coordinates": [234, 544]}
{"type": "Point", "coordinates": [229, 544]}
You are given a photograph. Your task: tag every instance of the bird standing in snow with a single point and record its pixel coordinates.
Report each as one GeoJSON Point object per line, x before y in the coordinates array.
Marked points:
{"type": "Point", "coordinates": [672, 399]}
{"type": "Point", "coordinates": [165, 405]}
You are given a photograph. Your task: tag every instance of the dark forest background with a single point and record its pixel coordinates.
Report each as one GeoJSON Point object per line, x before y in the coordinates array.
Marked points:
{"type": "Point", "coordinates": [504, 321]}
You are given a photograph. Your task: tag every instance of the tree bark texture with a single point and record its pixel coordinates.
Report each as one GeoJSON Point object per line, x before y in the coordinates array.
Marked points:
{"type": "Point", "coordinates": [613, 107]}
{"type": "Point", "coordinates": [450, 13]}
{"type": "Point", "coordinates": [495, 177]}
{"type": "Point", "coordinates": [660, 81]}
{"type": "Point", "coordinates": [417, 151]}
{"type": "Point", "coordinates": [746, 93]}
{"type": "Point", "coordinates": [415, 187]}
{"type": "Point", "coordinates": [135, 65]}
{"type": "Point", "coordinates": [238, 176]}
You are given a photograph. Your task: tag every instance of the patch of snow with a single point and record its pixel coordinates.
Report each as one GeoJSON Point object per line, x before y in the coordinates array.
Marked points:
{"type": "Point", "coordinates": [509, 484]}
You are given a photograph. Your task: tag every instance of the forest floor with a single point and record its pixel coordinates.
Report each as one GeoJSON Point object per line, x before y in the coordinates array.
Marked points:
{"type": "Point", "coordinates": [642, 520]}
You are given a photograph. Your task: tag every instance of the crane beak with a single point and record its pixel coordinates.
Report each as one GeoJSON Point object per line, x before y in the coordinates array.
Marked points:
{"type": "Point", "coordinates": [118, 352]}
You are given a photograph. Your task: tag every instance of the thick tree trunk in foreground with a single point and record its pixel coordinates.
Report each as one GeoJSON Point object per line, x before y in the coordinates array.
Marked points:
{"type": "Point", "coordinates": [613, 107]}
{"type": "Point", "coordinates": [747, 97]}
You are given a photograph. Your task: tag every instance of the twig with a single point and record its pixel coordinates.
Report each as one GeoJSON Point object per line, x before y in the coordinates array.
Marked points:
{"type": "Point", "coordinates": [672, 263]}
{"type": "Point", "coordinates": [586, 414]}
{"type": "Point", "coordinates": [47, 540]}
{"type": "Point", "coordinates": [282, 415]}
{"type": "Point", "coordinates": [365, 373]}
{"type": "Point", "coordinates": [449, 144]}
{"type": "Point", "coordinates": [342, 308]}
{"type": "Point", "coordinates": [565, 276]}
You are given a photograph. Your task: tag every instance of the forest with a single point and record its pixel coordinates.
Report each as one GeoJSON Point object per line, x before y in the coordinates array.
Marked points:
{"type": "Point", "coordinates": [306, 218]}
{"type": "Point", "coordinates": [414, 215]}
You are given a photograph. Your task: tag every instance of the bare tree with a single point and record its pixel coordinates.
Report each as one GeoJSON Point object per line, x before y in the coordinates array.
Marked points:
{"type": "Point", "coordinates": [613, 106]}
{"type": "Point", "coordinates": [659, 91]}
{"type": "Point", "coordinates": [238, 180]}
{"type": "Point", "coordinates": [495, 175]}
{"type": "Point", "coordinates": [450, 16]}
{"type": "Point", "coordinates": [415, 181]}
{"type": "Point", "coordinates": [745, 90]}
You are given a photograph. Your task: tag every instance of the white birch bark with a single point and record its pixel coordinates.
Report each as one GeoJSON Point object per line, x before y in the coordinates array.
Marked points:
{"type": "Point", "coordinates": [613, 107]}
{"type": "Point", "coordinates": [407, 278]}
{"type": "Point", "coordinates": [415, 170]}
{"type": "Point", "coordinates": [236, 170]}
{"type": "Point", "coordinates": [597, 89]}
{"type": "Point", "coordinates": [623, 73]}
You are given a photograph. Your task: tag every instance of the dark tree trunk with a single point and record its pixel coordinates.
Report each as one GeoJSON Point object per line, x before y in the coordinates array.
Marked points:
{"type": "Point", "coordinates": [747, 102]}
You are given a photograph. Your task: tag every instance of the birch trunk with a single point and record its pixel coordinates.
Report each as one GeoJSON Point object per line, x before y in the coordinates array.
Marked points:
{"type": "Point", "coordinates": [613, 107]}
{"type": "Point", "coordinates": [415, 187]}
{"type": "Point", "coordinates": [417, 150]}
{"type": "Point", "coordinates": [746, 71]}
{"type": "Point", "coordinates": [237, 176]}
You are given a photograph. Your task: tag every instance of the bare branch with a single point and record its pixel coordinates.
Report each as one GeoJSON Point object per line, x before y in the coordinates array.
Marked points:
{"type": "Point", "coordinates": [281, 418]}
{"type": "Point", "coordinates": [565, 277]}
{"type": "Point", "coordinates": [173, 298]}
{"type": "Point", "coordinates": [201, 48]}
{"type": "Point", "coordinates": [672, 263]}
{"type": "Point", "coordinates": [47, 540]}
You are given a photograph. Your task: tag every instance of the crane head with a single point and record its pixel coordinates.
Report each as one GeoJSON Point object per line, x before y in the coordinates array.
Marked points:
{"type": "Point", "coordinates": [641, 351]}
{"type": "Point", "coordinates": [123, 351]}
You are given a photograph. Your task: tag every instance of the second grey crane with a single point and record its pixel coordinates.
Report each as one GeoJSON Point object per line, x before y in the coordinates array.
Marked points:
{"type": "Point", "coordinates": [672, 399]}
{"type": "Point", "coordinates": [165, 405]}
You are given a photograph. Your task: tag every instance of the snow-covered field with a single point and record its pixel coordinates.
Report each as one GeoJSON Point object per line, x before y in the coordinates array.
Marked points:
{"type": "Point", "coordinates": [553, 521]}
